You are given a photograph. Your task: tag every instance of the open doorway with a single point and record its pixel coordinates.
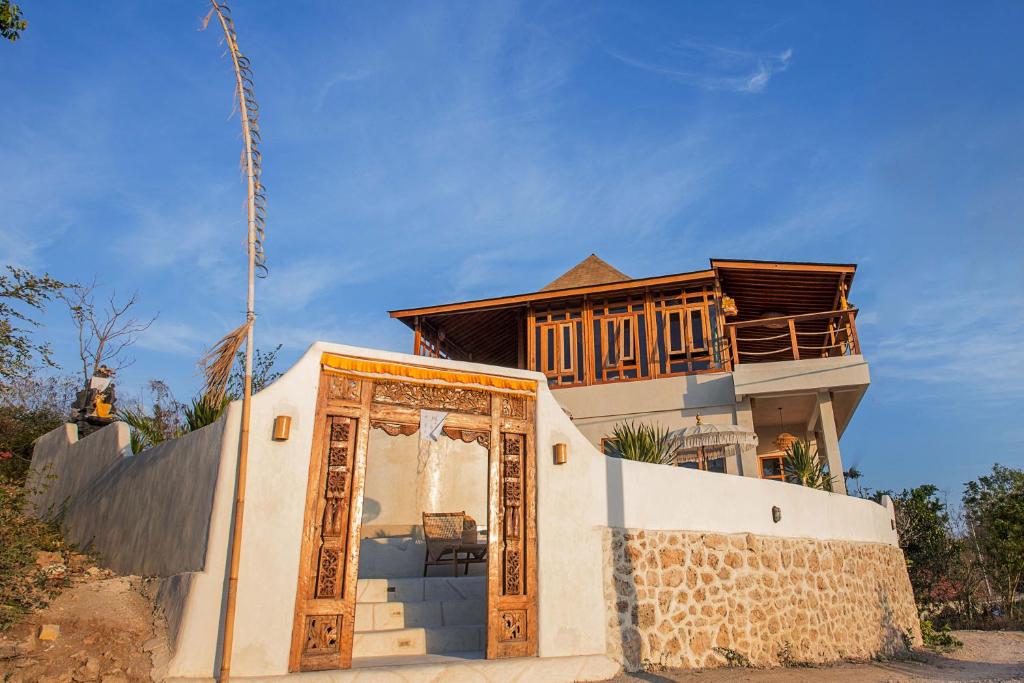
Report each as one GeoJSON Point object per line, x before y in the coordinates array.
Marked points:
{"type": "Point", "coordinates": [423, 549]}
{"type": "Point", "coordinates": [391, 443]}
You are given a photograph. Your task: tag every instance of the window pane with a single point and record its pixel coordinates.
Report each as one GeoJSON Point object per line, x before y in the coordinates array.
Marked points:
{"type": "Point", "coordinates": [771, 467]}
{"type": "Point", "coordinates": [660, 320]}
{"type": "Point", "coordinates": [642, 335]}
{"type": "Point", "coordinates": [675, 331]}
{"type": "Point", "coordinates": [550, 350]}
{"type": "Point", "coordinates": [697, 328]}
{"type": "Point", "coordinates": [627, 337]}
{"type": "Point", "coordinates": [611, 343]}
{"type": "Point", "coordinates": [567, 358]}
{"type": "Point", "coordinates": [716, 464]}
{"type": "Point", "coordinates": [579, 352]}
{"type": "Point", "coordinates": [536, 349]}
{"type": "Point", "coordinates": [597, 350]}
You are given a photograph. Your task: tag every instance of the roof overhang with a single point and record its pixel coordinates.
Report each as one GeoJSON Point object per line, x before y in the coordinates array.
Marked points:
{"type": "Point", "coordinates": [407, 315]}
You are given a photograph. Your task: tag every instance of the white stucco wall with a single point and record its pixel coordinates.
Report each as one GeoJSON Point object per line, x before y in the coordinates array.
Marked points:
{"type": "Point", "coordinates": [575, 502]}
{"type": "Point", "coordinates": [406, 477]}
{"type": "Point", "coordinates": [807, 375]}
{"type": "Point", "coordinates": [590, 492]}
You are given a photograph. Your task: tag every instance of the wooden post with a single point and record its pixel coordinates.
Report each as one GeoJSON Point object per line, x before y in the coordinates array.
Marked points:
{"type": "Point", "coordinates": [531, 335]}
{"type": "Point", "coordinates": [735, 346]}
{"type": "Point", "coordinates": [653, 359]}
{"type": "Point", "coordinates": [854, 339]}
{"type": "Point", "coordinates": [590, 371]}
{"type": "Point", "coordinates": [793, 339]}
{"type": "Point", "coordinates": [417, 339]}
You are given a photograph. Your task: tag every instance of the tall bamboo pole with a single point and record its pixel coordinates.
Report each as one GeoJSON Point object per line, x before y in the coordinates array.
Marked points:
{"type": "Point", "coordinates": [251, 168]}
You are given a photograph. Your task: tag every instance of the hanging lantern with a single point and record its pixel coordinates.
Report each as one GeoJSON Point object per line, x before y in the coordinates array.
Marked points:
{"type": "Point", "coordinates": [729, 308]}
{"type": "Point", "coordinates": [784, 440]}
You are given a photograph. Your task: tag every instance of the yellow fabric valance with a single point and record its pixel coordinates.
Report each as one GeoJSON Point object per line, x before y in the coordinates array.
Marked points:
{"type": "Point", "coordinates": [417, 372]}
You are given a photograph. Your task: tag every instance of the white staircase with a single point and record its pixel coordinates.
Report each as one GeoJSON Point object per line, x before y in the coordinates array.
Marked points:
{"type": "Point", "coordinates": [420, 616]}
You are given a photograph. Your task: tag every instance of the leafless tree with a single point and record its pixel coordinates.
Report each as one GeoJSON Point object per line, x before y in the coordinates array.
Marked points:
{"type": "Point", "coordinates": [105, 331]}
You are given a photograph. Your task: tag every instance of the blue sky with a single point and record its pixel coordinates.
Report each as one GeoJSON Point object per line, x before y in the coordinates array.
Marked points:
{"type": "Point", "coordinates": [418, 153]}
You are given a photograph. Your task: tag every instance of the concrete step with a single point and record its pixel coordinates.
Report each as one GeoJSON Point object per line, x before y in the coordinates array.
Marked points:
{"type": "Point", "coordinates": [420, 589]}
{"type": "Point", "coordinates": [386, 616]}
{"type": "Point", "coordinates": [418, 641]}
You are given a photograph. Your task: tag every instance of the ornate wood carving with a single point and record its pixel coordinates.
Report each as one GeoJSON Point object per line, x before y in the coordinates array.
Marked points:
{"type": "Point", "coordinates": [513, 626]}
{"type": "Point", "coordinates": [341, 388]}
{"type": "Point", "coordinates": [433, 397]}
{"type": "Point", "coordinates": [481, 436]}
{"type": "Point", "coordinates": [327, 575]}
{"type": "Point", "coordinates": [322, 635]}
{"type": "Point", "coordinates": [348, 408]}
{"type": "Point", "coordinates": [323, 623]}
{"type": "Point", "coordinates": [395, 428]}
{"type": "Point", "coordinates": [512, 511]}
{"type": "Point", "coordinates": [513, 407]}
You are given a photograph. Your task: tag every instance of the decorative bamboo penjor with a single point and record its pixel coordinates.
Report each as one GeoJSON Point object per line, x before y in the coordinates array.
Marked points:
{"type": "Point", "coordinates": [219, 361]}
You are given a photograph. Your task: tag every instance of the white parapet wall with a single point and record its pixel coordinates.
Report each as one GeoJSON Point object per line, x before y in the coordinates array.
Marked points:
{"type": "Point", "coordinates": [577, 504]}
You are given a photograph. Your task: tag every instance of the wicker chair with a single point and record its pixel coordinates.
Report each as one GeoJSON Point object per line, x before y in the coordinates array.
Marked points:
{"type": "Point", "coordinates": [451, 538]}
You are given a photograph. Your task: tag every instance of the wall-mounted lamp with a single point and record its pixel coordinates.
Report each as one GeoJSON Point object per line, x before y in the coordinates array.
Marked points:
{"type": "Point", "coordinates": [282, 427]}
{"type": "Point", "coordinates": [776, 514]}
{"type": "Point", "coordinates": [561, 453]}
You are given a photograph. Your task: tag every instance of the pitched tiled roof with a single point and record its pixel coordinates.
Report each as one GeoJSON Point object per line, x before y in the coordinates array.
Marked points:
{"type": "Point", "coordinates": [589, 271]}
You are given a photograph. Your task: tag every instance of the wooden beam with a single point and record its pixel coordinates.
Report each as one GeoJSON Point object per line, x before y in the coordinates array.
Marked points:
{"type": "Point", "coordinates": [786, 266]}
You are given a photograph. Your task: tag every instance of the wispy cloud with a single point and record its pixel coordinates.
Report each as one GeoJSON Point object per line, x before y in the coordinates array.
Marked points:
{"type": "Point", "coordinates": [712, 67]}
{"type": "Point", "coordinates": [295, 284]}
{"type": "Point", "coordinates": [174, 337]}
{"type": "Point", "coordinates": [967, 339]}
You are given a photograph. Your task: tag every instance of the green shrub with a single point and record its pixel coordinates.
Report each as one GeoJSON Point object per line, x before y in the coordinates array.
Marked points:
{"type": "Point", "coordinates": [940, 640]}
{"type": "Point", "coordinates": [23, 586]}
{"type": "Point", "coordinates": [644, 443]}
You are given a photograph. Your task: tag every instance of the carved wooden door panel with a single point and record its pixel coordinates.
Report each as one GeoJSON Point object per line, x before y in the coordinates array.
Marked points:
{"type": "Point", "coordinates": [326, 596]}
{"type": "Point", "coordinates": [512, 551]}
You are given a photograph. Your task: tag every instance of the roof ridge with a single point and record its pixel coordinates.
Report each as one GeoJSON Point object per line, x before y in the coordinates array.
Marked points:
{"type": "Point", "coordinates": [592, 270]}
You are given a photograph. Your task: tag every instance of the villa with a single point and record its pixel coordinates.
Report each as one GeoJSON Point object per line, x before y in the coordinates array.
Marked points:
{"type": "Point", "coordinates": [768, 346]}
{"type": "Point", "coordinates": [453, 513]}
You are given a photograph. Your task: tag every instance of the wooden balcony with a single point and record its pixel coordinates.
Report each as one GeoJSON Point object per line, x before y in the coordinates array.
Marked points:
{"type": "Point", "coordinates": [792, 337]}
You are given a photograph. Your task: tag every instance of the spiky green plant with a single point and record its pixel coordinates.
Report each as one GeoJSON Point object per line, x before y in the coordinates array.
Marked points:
{"type": "Point", "coordinates": [644, 443]}
{"type": "Point", "coordinates": [144, 429]}
{"type": "Point", "coordinates": [202, 412]}
{"type": "Point", "coordinates": [804, 467]}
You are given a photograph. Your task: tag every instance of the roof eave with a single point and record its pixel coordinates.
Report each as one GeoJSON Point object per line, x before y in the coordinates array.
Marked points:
{"type": "Point", "coordinates": [524, 299]}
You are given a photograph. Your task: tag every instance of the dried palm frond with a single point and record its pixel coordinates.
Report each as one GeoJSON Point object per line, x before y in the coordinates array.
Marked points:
{"type": "Point", "coordinates": [252, 159]}
{"type": "Point", "coordinates": [218, 361]}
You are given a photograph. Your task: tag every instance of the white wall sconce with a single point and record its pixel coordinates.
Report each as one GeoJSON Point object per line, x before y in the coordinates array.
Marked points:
{"type": "Point", "coordinates": [282, 427]}
{"type": "Point", "coordinates": [561, 453]}
{"type": "Point", "coordinates": [776, 514]}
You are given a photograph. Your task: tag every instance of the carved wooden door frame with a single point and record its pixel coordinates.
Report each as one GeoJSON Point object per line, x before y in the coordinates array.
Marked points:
{"type": "Point", "coordinates": [354, 397]}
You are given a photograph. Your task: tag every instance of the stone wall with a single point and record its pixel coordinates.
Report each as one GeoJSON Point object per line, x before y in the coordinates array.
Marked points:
{"type": "Point", "coordinates": [688, 599]}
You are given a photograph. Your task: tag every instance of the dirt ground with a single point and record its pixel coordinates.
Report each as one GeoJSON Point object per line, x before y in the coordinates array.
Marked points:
{"type": "Point", "coordinates": [985, 656]}
{"type": "Point", "coordinates": [110, 634]}
{"type": "Point", "coordinates": [107, 628]}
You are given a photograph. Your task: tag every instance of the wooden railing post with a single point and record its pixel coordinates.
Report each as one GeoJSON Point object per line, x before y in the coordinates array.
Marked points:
{"type": "Point", "coordinates": [854, 340]}
{"type": "Point", "coordinates": [793, 339]}
{"type": "Point", "coordinates": [735, 347]}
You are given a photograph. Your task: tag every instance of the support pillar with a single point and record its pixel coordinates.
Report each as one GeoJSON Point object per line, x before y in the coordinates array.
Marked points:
{"type": "Point", "coordinates": [830, 441]}
{"type": "Point", "coordinates": [749, 466]}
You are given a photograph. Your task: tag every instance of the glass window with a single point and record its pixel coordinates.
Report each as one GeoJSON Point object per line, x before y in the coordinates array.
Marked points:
{"type": "Point", "coordinates": [771, 467]}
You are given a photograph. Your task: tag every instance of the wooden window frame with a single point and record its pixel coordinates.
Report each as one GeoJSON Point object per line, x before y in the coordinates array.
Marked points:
{"type": "Point", "coordinates": [774, 455]}
{"type": "Point", "coordinates": [557, 319]}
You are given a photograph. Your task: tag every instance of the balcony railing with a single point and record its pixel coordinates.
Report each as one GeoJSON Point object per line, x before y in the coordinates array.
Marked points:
{"type": "Point", "coordinates": [792, 337]}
